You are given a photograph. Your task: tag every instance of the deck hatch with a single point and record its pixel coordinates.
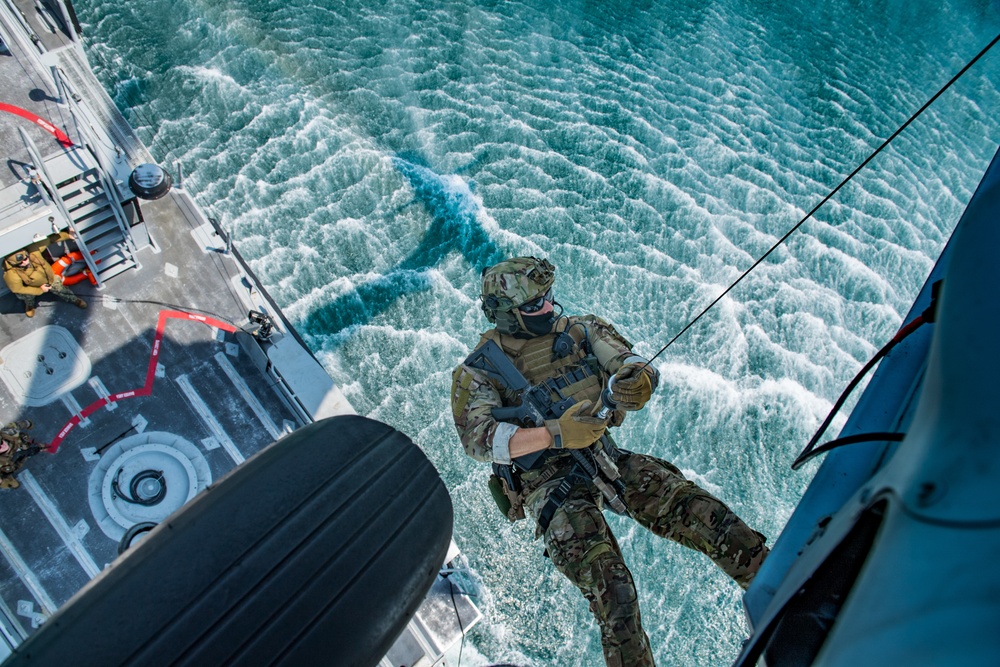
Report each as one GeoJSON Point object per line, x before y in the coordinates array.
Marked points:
{"type": "Point", "coordinates": [40, 367]}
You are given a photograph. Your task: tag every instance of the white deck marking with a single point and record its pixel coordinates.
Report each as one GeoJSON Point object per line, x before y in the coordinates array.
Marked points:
{"type": "Point", "coordinates": [248, 396]}
{"type": "Point", "coordinates": [26, 608]}
{"type": "Point", "coordinates": [101, 391]}
{"type": "Point", "coordinates": [210, 421]}
{"type": "Point", "coordinates": [11, 628]}
{"type": "Point", "coordinates": [74, 408]}
{"type": "Point", "coordinates": [68, 535]}
{"type": "Point", "coordinates": [423, 638]}
{"type": "Point", "coordinates": [25, 574]}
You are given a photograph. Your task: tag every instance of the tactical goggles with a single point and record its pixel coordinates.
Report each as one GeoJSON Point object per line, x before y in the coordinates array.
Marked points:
{"type": "Point", "coordinates": [20, 257]}
{"type": "Point", "coordinates": [535, 305]}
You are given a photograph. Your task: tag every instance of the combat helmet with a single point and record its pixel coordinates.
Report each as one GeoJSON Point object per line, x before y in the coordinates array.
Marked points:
{"type": "Point", "coordinates": [512, 283]}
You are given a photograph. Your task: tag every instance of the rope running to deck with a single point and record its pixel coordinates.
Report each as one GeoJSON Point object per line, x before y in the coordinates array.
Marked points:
{"type": "Point", "coordinates": [830, 195]}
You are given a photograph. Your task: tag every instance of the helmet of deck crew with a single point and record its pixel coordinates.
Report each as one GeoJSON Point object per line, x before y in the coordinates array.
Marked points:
{"type": "Point", "coordinates": [511, 284]}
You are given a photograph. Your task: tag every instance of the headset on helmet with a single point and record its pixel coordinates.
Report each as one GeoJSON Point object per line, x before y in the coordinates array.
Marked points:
{"type": "Point", "coordinates": [511, 283]}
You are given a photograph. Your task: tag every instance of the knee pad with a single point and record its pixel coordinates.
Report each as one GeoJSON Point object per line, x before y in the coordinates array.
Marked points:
{"type": "Point", "coordinates": [615, 602]}
{"type": "Point", "coordinates": [623, 639]}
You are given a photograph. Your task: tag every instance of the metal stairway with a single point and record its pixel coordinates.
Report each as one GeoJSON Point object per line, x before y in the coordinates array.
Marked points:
{"type": "Point", "coordinates": [98, 231]}
{"type": "Point", "coordinates": [98, 219]}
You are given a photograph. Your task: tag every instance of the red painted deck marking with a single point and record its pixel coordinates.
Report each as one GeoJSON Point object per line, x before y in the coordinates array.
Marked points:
{"type": "Point", "coordinates": [39, 121]}
{"type": "Point", "coordinates": [147, 388]}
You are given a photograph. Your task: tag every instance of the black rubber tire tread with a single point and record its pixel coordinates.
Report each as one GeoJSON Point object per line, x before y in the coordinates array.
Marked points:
{"type": "Point", "coordinates": [315, 551]}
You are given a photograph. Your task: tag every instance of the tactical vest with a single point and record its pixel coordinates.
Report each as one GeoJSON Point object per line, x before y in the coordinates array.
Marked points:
{"type": "Point", "coordinates": [564, 363]}
{"type": "Point", "coordinates": [576, 375]}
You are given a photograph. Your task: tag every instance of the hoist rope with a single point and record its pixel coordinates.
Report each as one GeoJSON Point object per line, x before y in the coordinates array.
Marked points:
{"type": "Point", "coordinates": [829, 196]}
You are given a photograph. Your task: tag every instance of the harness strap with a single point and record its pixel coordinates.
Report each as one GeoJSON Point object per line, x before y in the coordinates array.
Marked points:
{"type": "Point", "coordinates": [556, 499]}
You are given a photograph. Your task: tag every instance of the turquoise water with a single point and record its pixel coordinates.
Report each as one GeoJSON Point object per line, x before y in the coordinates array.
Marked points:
{"type": "Point", "coordinates": [370, 158]}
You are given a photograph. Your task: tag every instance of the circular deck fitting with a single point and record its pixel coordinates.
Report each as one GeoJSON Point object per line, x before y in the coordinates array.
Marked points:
{"type": "Point", "coordinates": [149, 181]}
{"type": "Point", "coordinates": [144, 479]}
{"type": "Point", "coordinates": [134, 536]}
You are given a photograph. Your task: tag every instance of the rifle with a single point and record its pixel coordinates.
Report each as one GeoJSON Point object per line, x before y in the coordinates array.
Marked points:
{"type": "Point", "coordinates": [536, 405]}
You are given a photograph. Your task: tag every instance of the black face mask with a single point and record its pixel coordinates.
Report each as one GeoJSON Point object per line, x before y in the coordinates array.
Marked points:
{"type": "Point", "coordinates": [539, 325]}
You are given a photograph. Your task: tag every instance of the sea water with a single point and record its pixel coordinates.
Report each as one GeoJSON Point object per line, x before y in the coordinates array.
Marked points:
{"type": "Point", "coordinates": [370, 158]}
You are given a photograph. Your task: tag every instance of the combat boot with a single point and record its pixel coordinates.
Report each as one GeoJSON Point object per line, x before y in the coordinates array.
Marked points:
{"type": "Point", "coordinates": [30, 311]}
{"type": "Point", "coordinates": [80, 303]}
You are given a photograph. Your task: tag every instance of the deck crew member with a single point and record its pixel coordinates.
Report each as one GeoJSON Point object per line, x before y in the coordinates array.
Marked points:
{"type": "Point", "coordinates": [16, 447]}
{"type": "Point", "coordinates": [28, 276]}
{"type": "Point", "coordinates": [573, 358]}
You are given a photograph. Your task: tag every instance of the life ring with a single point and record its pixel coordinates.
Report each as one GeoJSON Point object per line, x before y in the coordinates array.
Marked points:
{"type": "Point", "coordinates": [67, 261]}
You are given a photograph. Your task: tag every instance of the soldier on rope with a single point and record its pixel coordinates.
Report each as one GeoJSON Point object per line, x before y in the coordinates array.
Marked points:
{"type": "Point", "coordinates": [557, 461]}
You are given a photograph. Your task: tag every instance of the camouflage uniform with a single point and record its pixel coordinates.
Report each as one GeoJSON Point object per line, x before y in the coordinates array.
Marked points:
{"type": "Point", "coordinates": [578, 539]}
{"type": "Point", "coordinates": [15, 448]}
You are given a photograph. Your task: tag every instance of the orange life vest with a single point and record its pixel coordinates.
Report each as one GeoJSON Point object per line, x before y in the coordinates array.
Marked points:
{"type": "Point", "coordinates": [68, 260]}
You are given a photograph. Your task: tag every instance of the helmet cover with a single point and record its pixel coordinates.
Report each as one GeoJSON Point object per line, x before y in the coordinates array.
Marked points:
{"type": "Point", "coordinates": [511, 283]}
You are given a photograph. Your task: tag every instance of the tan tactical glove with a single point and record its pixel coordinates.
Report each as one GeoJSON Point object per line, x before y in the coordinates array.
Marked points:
{"type": "Point", "coordinates": [633, 386]}
{"type": "Point", "coordinates": [576, 429]}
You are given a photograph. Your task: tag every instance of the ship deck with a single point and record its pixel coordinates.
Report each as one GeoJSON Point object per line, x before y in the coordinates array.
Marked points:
{"type": "Point", "coordinates": [203, 388]}
{"type": "Point", "coordinates": [159, 373]}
